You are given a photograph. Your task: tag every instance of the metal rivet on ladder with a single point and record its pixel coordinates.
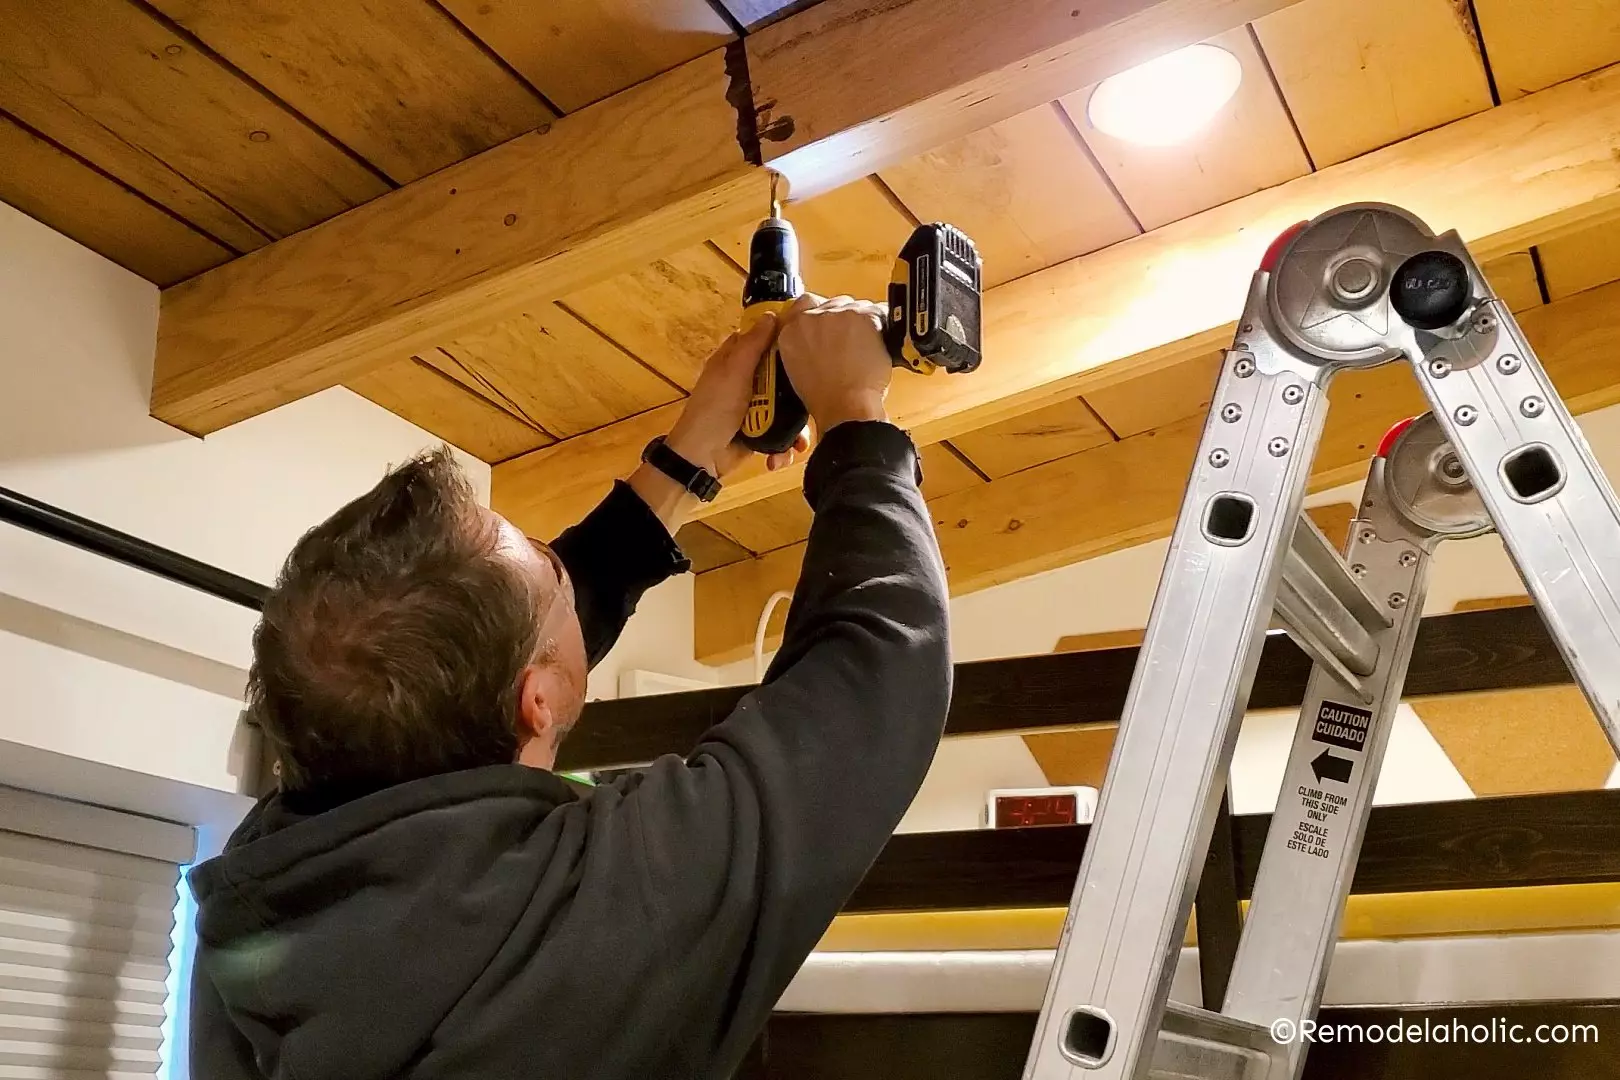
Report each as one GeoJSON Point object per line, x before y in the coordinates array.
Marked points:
{"type": "Point", "coordinates": [1507, 363]}
{"type": "Point", "coordinates": [1243, 368]}
{"type": "Point", "coordinates": [1408, 558]}
{"type": "Point", "coordinates": [1232, 413]}
{"type": "Point", "coordinates": [1277, 447]}
{"type": "Point", "coordinates": [1368, 536]}
{"type": "Point", "coordinates": [1397, 600]}
{"type": "Point", "coordinates": [1484, 322]}
{"type": "Point", "coordinates": [1532, 407]}
{"type": "Point", "coordinates": [1358, 570]}
{"type": "Point", "coordinates": [1439, 368]}
{"type": "Point", "coordinates": [1466, 414]}
{"type": "Point", "coordinates": [1219, 458]}
{"type": "Point", "coordinates": [1293, 395]}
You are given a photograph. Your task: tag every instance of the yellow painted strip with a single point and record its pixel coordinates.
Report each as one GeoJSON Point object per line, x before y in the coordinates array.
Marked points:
{"type": "Point", "coordinates": [1395, 915]}
{"type": "Point", "coordinates": [927, 931]}
{"type": "Point", "coordinates": [1484, 911]}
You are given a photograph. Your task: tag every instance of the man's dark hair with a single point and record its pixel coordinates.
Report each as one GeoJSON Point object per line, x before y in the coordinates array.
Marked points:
{"type": "Point", "coordinates": [391, 646]}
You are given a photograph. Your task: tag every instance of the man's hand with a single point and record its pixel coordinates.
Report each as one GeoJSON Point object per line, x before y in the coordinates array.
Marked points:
{"type": "Point", "coordinates": [706, 432]}
{"type": "Point", "coordinates": [835, 357]}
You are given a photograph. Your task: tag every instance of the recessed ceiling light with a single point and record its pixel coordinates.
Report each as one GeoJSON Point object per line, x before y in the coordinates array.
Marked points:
{"type": "Point", "coordinates": [1167, 100]}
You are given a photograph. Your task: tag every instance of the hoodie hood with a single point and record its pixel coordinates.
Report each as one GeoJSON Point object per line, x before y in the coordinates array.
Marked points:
{"type": "Point", "coordinates": [339, 942]}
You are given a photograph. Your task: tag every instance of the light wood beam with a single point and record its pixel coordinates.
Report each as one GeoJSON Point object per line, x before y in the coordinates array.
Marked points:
{"type": "Point", "coordinates": [646, 172]}
{"type": "Point", "coordinates": [1128, 492]}
{"type": "Point", "coordinates": [1533, 170]}
{"type": "Point", "coordinates": [837, 105]}
{"type": "Point", "coordinates": [663, 165]}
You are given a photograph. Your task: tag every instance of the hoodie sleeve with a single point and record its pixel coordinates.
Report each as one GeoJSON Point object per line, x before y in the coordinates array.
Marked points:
{"type": "Point", "coordinates": [754, 842]}
{"type": "Point", "coordinates": [619, 551]}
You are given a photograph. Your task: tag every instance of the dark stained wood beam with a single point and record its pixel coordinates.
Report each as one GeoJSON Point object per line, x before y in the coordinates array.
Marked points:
{"type": "Point", "coordinates": [1217, 912]}
{"type": "Point", "coordinates": [1458, 653]}
{"type": "Point", "coordinates": [1511, 842]}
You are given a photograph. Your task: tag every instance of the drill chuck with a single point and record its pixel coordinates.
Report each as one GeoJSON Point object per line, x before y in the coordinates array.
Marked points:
{"type": "Point", "coordinates": [773, 264]}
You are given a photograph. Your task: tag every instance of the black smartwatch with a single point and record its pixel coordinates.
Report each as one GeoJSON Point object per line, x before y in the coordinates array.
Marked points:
{"type": "Point", "coordinates": [700, 482]}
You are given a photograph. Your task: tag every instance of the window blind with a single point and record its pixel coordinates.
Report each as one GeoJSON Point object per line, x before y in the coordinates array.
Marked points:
{"type": "Point", "coordinates": [87, 900]}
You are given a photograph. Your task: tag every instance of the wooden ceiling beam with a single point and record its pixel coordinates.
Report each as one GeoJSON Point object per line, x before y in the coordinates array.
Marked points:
{"type": "Point", "coordinates": [1536, 169]}
{"type": "Point", "coordinates": [661, 166]}
{"type": "Point", "coordinates": [1128, 492]}
{"type": "Point", "coordinates": [1508, 649]}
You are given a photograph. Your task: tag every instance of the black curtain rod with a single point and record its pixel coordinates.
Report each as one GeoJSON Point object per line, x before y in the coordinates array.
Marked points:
{"type": "Point", "coordinates": [47, 520]}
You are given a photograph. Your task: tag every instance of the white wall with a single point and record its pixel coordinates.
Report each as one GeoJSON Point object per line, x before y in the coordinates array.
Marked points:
{"type": "Point", "coordinates": [1415, 768]}
{"type": "Point", "coordinates": [657, 638]}
{"type": "Point", "coordinates": [105, 663]}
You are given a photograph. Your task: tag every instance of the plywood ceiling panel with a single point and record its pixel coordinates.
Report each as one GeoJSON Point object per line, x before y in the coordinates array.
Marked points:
{"type": "Point", "coordinates": [433, 401]}
{"type": "Point", "coordinates": [112, 83]}
{"type": "Point", "coordinates": [1536, 43]}
{"type": "Point", "coordinates": [1025, 190]}
{"type": "Point", "coordinates": [768, 524]}
{"type": "Point", "coordinates": [1491, 603]}
{"type": "Point", "coordinates": [579, 51]}
{"type": "Point", "coordinates": [1362, 406]}
{"type": "Point", "coordinates": [848, 240]}
{"type": "Point", "coordinates": [1360, 74]}
{"type": "Point", "coordinates": [553, 370]}
{"type": "Point", "coordinates": [1248, 146]}
{"type": "Point", "coordinates": [945, 472]}
{"type": "Point", "coordinates": [1519, 742]}
{"type": "Point", "coordinates": [707, 549]}
{"type": "Point", "coordinates": [671, 314]}
{"type": "Point", "coordinates": [52, 186]}
{"type": "Point", "coordinates": [1156, 398]}
{"type": "Point", "coordinates": [401, 84]}
{"type": "Point", "coordinates": [1582, 260]}
{"type": "Point", "coordinates": [1074, 757]}
{"type": "Point", "coordinates": [1334, 520]}
{"type": "Point", "coordinates": [1059, 430]}
{"type": "Point", "coordinates": [1514, 279]}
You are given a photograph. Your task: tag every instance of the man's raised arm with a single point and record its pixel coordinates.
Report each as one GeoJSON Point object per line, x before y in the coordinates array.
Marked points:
{"type": "Point", "coordinates": [752, 844]}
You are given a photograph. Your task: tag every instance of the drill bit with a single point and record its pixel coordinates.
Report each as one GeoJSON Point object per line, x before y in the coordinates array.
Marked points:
{"type": "Point", "coordinates": [776, 202]}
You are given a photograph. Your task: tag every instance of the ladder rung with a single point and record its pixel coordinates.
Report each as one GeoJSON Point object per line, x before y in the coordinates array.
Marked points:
{"type": "Point", "coordinates": [1325, 609]}
{"type": "Point", "coordinates": [1196, 1044]}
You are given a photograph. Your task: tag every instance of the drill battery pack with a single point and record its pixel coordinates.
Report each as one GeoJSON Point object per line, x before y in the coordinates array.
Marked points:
{"type": "Point", "coordinates": [936, 302]}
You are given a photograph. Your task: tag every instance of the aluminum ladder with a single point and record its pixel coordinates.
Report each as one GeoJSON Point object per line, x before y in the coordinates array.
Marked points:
{"type": "Point", "coordinates": [1356, 287]}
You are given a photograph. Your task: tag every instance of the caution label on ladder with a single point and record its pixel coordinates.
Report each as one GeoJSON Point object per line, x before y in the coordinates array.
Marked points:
{"type": "Point", "coordinates": [1319, 827]}
{"type": "Point", "coordinates": [1342, 725]}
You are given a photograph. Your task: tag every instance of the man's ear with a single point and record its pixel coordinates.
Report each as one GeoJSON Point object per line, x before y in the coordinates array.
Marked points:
{"type": "Point", "coordinates": [535, 718]}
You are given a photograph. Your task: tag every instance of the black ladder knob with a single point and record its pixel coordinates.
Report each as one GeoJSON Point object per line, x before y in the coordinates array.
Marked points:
{"type": "Point", "coordinates": [1431, 290]}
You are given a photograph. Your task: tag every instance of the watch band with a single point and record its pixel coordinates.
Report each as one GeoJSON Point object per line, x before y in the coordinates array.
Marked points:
{"type": "Point", "coordinates": [700, 482]}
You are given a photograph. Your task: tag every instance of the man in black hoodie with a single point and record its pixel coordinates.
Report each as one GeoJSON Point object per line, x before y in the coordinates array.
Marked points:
{"type": "Point", "coordinates": [422, 898]}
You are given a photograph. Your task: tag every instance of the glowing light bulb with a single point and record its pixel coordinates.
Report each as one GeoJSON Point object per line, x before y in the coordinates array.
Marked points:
{"type": "Point", "coordinates": [1166, 100]}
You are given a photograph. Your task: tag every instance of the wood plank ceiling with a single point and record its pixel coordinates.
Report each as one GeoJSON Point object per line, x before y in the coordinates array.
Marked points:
{"type": "Point", "coordinates": [175, 135]}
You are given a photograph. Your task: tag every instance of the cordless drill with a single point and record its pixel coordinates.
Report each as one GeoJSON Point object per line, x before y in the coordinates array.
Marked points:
{"type": "Point", "coordinates": [934, 319]}
{"type": "Point", "coordinates": [775, 413]}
